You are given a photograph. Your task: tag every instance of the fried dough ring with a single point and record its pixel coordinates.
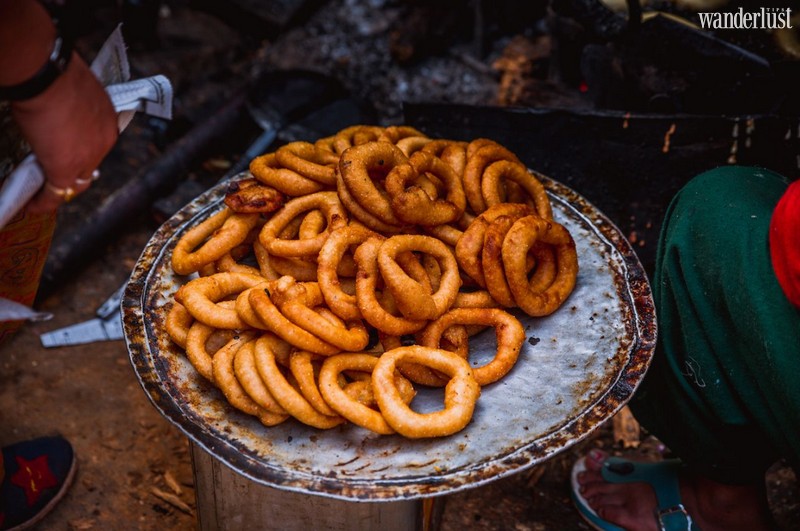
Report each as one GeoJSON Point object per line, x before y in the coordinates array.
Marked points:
{"type": "Point", "coordinates": [249, 196]}
{"type": "Point", "coordinates": [326, 143]}
{"type": "Point", "coordinates": [461, 393]}
{"type": "Point", "coordinates": [541, 257]}
{"type": "Point", "coordinates": [201, 295]}
{"type": "Point", "coordinates": [452, 152]}
{"type": "Point", "coordinates": [511, 171]}
{"type": "Point", "coordinates": [492, 261]}
{"type": "Point", "coordinates": [302, 269]}
{"type": "Point", "coordinates": [221, 232]}
{"type": "Point", "coordinates": [359, 212]}
{"type": "Point", "coordinates": [360, 389]}
{"type": "Point", "coordinates": [340, 400]}
{"type": "Point", "coordinates": [360, 166]}
{"type": "Point", "coordinates": [412, 298]}
{"type": "Point", "coordinates": [366, 257]}
{"type": "Point", "coordinates": [470, 245]}
{"type": "Point", "coordinates": [228, 264]}
{"type": "Point", "coordinates": [395, 133]}
{"type": "Point", "coordinates": [178, 322]}
{"type": "Point", "coordinates": [327, 202]}
{"type": "Point", "coordinates": [521, 237]}
{"type": "Point", "coordinates": [446, 233]}
{"type": "Point", "coordinates": [245, 309]}
{"type": "Point", "coordinates": [419, 374]}
{"type": "Point", "coordinates": [546, 264]}
{"type": "Point", "coordinates": [298, 307]}
{"type": "Point", "coordinates": [286, 329]}
{"type": "Point", "coordinates": [342, 304]}
{"type": "Point", "coordinates": [244, 367]}
{"type": "Point", "coordinates": [286, 395]}
{"type": "Point", "coordinates": [309, 161]}
{"type": "Point", "coordinates": [225, 379]}
{"type": "Point", "coordinates": [197, 348]}
{"type": "Point", "coordinates": [475, 299]}
{"type": "Point", "coordinates": [411, 144]}
{"type": "Point", "coordinates": [355, 136]}
{"type": "Point", "coordinates": [267, 170]}
{"type": "Point", "coordinates": [312, 225]}
{"type": "Point", "coordinates": [412, 204]}
{"type": "Point", "coordinates": [480, 154]}
{"type": "Point", "coordinates": [510, 336]}
{"type": "Point", "coordinates": [302, 368]}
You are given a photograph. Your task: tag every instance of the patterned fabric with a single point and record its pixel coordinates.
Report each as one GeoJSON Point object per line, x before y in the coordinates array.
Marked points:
{"type": "Point", "coordinates": [25, 241]}
{"type": "Point", "coordinates": [722, 392]}
{"type": "Point", "coordinates": [13, 147]}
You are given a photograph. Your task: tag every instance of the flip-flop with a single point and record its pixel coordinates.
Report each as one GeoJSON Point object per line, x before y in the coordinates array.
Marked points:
{"type": "Point", "coordinates": [661, 476]}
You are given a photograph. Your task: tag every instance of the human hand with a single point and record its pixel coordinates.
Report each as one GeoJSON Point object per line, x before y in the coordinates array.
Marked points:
{"type": "Point", "coordinates": [71, 127]}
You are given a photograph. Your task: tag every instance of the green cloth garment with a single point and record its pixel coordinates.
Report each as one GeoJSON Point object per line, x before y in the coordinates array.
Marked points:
{"type": "Point", "coordinates": [723, 390]}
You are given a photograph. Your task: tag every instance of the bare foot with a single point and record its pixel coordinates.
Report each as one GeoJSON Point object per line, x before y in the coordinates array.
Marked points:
{"type": "Point", "coordinates": [712, 506]}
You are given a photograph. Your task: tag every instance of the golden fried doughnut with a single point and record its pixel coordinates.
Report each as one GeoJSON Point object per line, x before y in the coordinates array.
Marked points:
{"type": "Point", "coordinates": [366, 257]}
{"type": "Point", "coordinates": [477, 162]}
{"type": "Point", "coordinates": [412, 204]}
{"type": "Point", "coordinates": [361, 168]}
{"type": "Point", "coordinates": [505, 170]}
{"type": "Point", "coordinates": [351, 409]}
{"type": "Point", "coordinates": [269, 171]}
{"type": "Point", "coordinates": [286, 395]}
{"type": "Point", "coordinates": [249, 196]}
{"type": "Point", "coordinates": [470, 246]}
{"type": "Point", "coordinates": [413, 299]}
{"type": "Point", "coordinates": [327, 202]}
{"type": "Point", "coordinates": [210, 240]}
{"type": "Point", "coordinates": [201, 295]}
{"type": "Point", "coordinates": [226, 380]}
{"type": "Point", "coordinates": [523, 235]}
{"type": "Point", "coordinates": [309, 161]}
{"type": "Point", "coordinates": [355, 136]}
{"type": "Point", "coordinates": [284, 328]}
{"type": "Point", "coordinates": [301, 365]}
{"type": "Point", "coordinates": [178, 322]}
{"type": "Point", "coordinates": [510, 336]}
{"type": "Point", "coordinates": [461, 393]}
{"type": "Point", "coordinates": [244, 367]}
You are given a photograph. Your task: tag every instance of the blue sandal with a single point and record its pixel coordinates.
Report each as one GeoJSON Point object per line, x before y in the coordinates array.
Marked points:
{"type": "Point", "coordinates": [37, 475]}
{"type": "Point", "coordinates": [661, 476]}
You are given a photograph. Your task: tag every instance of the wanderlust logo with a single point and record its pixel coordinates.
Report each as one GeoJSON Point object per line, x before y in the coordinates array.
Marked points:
{"type": "Point", "coordinates": [765, 18]}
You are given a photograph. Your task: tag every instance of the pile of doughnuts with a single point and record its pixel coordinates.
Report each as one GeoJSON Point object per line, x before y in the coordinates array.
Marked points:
{"type": "Point", "coordinates": [346, 272]}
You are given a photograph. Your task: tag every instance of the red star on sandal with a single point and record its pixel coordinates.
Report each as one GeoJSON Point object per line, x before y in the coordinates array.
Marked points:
{"type": "Point", "coordinates": [37, 475]}
{"type": "Point", "coordinates": [33, 477]}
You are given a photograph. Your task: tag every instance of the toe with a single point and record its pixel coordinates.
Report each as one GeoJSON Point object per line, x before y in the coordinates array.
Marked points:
{"type": "Point", "coordinates": [595, 459]}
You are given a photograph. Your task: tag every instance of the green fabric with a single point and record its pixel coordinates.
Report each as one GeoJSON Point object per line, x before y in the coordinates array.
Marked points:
{"type": "Point", "coordinates": [723, 391]}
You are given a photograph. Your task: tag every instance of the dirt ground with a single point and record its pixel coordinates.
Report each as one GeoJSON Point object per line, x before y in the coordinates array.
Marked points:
{"type": "Point", "coordinates": [129, 455]}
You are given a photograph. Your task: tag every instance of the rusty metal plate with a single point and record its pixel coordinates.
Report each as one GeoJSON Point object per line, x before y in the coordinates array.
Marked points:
{"type": "Point", "coordinates": [577, 368]}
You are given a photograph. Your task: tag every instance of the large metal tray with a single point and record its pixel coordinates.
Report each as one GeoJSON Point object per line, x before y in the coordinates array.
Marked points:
{"type": "Point", "coordinates": [578, 367]}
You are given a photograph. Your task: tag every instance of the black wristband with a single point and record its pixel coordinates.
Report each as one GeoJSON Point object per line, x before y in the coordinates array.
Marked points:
{"type": "Point", "coordinates": [44, 77]}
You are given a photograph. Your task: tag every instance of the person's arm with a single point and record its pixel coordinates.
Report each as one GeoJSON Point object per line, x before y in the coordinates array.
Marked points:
{"type": "Point", "coordinates": [70, 126]}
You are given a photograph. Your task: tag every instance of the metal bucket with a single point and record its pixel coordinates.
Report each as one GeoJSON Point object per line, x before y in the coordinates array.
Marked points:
{"type": "Point", "coordinates": [577, 368]}
{"type": "Point", "coordinates": [228, 500]}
